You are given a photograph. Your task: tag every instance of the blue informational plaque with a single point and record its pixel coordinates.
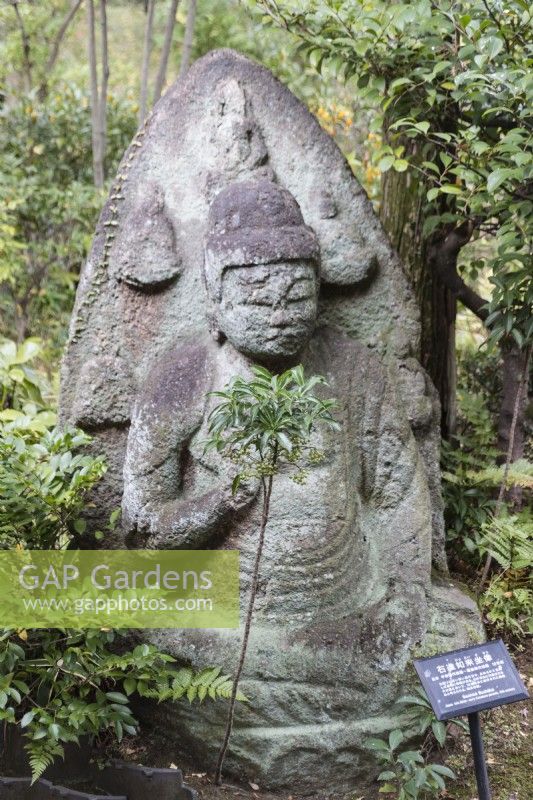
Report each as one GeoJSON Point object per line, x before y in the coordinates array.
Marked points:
{"type": "Point", "coordinates": [471, 679]}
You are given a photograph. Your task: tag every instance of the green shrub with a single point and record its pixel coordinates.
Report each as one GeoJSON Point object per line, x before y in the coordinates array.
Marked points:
{"type": "Point", "coordinates": [55, 684]}
{"type": "Point", "coordinates": [469, 501]}
{"type": "Point", "coordinates": [49, 206]}
{"type": "Point", "coordinates": [58, 685]}
{"type": "Point", "coordinates": [22, 387]}
{"type": "Point", "coordinates": [44, 480]}
{"type": "Point", "coordinates": [406, 772]}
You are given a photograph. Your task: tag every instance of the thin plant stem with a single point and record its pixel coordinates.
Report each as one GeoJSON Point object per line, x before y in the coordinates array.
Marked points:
{"type": "Point", "coordinates": [267, 491]}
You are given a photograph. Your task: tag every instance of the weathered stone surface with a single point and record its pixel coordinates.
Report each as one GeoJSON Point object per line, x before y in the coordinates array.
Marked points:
{"type": "Point", "coordinates": [146, 255]}
{"type": "Point", "coordinates": [281, 260]}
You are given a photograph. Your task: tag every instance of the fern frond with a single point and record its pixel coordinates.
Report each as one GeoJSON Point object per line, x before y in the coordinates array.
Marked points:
{"type": "Point", "coordinates": [509, 540]}
{"type": "Point", "coordinates": [206, 676]}
{"type": "Point", "coordinates": [206, 683]}
{"type": "Point", "coordinates": [42, 754]}
{"type": "Point", "coordinates": [183, 677]}
{"type": "Point", "coordinates": [520, 475]}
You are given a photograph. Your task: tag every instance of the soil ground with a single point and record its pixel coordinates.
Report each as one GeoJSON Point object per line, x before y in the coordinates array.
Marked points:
{"type": "Point", "coordinates": [507, 733]}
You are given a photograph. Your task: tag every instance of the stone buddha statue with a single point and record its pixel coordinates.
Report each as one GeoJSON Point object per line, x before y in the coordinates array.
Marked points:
{"type": "Point", "coordinates": [345, 589]}
{"type": "Point", "coordinates": [235, 233]}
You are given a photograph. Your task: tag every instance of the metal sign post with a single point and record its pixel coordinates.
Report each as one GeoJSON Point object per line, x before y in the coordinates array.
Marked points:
{"type": "Point", "coordinates": [480, 765]}
{"type": "Point", "coordinates": [467, 681]}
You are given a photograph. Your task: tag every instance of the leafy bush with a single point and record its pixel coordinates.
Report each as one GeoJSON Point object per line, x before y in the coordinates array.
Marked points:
{"type": "Point", "coordinates": [421, 716]}
{"type": "Point", "coordinates": [469, 501]}
{"type": "Point", "coordinates": [48, 205]}
{"type": "Point", "coordinates": [259, 425]}
{"type": "Point", "coordinates": [44, 482]}
{"type": "Point", "coordinates": [508, 604]}
{"type": "Point", "coordinates": [44, 479]}
{"type": "Point", "coordinates": [21, 385]}
{"type": "Point", "coordinates": [58, 685]}
{"type": "Point", "coordinates": [509, 540]}
{"type": "Point", "coordinates": [406, 773]}
{"type": "Point", "coordinates": [450, 88]}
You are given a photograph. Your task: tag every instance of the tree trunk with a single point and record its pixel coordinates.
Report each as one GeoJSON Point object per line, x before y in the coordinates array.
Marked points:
{"type": "Point", "coordinates": [188, 38]}
{"type": "Point", "coordinates": [26, 48]}
{"type": "Point", "coordinates": [102, 105]}
{"type": "Point", "coordinates": [98, 167]}
{"type": "Point", "coordinates": [147, 50]}
{"type": "Point", "coordinates": [402, 215]}
{"type": "Point", "coordinates": [515, 390]}
{"type": "Point", "coordinates": [167, 44]}
{"type": "Point", "coordinates": [54, 52]}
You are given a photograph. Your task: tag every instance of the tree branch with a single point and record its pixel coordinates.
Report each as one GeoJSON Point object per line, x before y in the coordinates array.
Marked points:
{"type": "Point", "coordinates": [443, 257]}
{"type": "Point", "coordinates": [102, 104]}
{"type": "Point", "coordinates": [189, 36]}
{"type": "Point", "coordinates": [95, 100]}
{"type": "Point", "coordinates": [26, 48]}
{"type": "Point", "coordinates": [167, 44]}
{"type": "Point", "coordinates": [52, 58]}
{"type": "Point", "coordinates": [147, 49]}
{"type": "Point", "coordinates": [496, 21]}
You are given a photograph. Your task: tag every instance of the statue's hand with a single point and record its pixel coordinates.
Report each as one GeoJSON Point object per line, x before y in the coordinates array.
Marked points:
{"type": "Point", "coordinates": [245, 494]}
{"type": "Point", "coordinates": [193, 523]}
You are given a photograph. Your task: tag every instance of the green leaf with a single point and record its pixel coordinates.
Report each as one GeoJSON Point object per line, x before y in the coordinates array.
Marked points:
{"type": "Point", "coordinates": [400, 165]}
{"type": "Point", "coordinates": [114, 517]}
{"type": "Point", "coordinates": [27, 718]}
{"type": "Point", "coordinates": [497, 177]}
{"type": "Point", "coordinates": [376, 744]}
{"type": "Point", "coordinates": [451, 188]}
{"type": "Point", "coordinates": [17, 375]}
{"type": "Point", "coordinates": [284, 440]}
{"type": "Point", "coordinates": [28, 350]}
{"type": "Point", "coordinates": [395, 738]}
{"type": "Point", "coordinates": [442, 770]}
{"type": "Point", "coordinates": [80, 526]}
{"type": "Point", "coordinates": [386, 163]}
{"type": "Point", "coordinates": [116, 697]}
{"type": "Point", "coordinates": [54, 730]}
{"type": "Point", "coordinates": [439, 731]}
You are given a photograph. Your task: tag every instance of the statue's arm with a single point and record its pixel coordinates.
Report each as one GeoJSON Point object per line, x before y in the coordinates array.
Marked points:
{"type": "Point", "coordinates": [160, 508]}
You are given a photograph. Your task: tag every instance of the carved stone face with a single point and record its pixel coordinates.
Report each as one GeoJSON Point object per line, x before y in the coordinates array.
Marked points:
{"type": "Point", "coordinates": [268, 311]}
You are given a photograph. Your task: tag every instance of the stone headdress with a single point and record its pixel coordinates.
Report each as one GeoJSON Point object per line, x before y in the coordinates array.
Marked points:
{"type": "Point", "coordinates": [255, 222]}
